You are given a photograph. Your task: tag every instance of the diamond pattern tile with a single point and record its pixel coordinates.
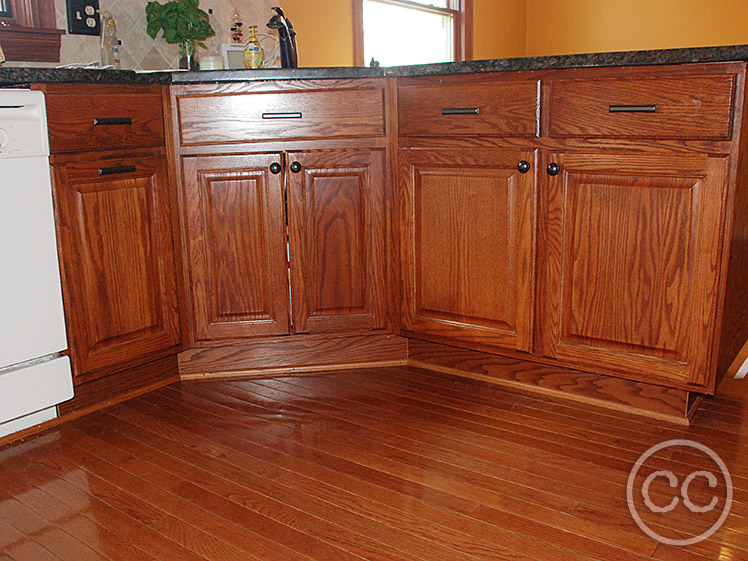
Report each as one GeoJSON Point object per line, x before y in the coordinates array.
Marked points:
{"type": "Point", "coordinates": [140, 52]}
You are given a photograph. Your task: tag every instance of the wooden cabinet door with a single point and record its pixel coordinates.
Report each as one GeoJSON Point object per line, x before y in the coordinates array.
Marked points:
{"type": "Point", "coordinates": [236, 244]}
{"type": "Point", "coordinates": [632, 262]}
{"type": "Point", "coordinates": [467, 245]}
{"type": "Point", "coordinates": [117, 259]}
{"type": "Point", "coordinates": [336, 233]}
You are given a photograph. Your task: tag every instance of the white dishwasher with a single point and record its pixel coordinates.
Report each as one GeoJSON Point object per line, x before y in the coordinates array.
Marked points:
{"type": "Point", "coordinates": [34, 374]}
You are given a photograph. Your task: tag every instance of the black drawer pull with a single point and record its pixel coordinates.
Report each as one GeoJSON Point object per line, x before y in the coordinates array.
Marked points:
{"type": "Point", "coordinates": [460, 110]}
{"type": "Point", "coordinates": [117, 169]}
{"type": "Point", "coordinates": [293, 115]}
{"type": "Point", "coordinates": [112, 121]}
{"type": "Point", "coordinates": [633, 109]}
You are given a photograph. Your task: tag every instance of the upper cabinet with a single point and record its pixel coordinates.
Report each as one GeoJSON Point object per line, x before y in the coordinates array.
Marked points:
{"type": "Point", "coordinates": [284, 201]}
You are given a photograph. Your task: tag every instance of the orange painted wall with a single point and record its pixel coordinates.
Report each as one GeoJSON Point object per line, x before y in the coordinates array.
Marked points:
{"type": "Point", "coordinates": [499, 28]}
{"type": "Point", "coordinates": [325, 31]}
{"type": "Point", "coordinates": [582, 26]}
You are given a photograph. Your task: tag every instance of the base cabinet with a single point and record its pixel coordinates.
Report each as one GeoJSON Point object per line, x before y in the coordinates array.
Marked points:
{"type": "Point", "coordinates": [117, 259]}
{"type": "Point", "coordinates": [283, 243]}
{"type": "Point", "coordinates": [632, 260]}
{"type": "Point", "coordinates": [616, 253]}
{"type": "Point", "coordinates": [467, 226]}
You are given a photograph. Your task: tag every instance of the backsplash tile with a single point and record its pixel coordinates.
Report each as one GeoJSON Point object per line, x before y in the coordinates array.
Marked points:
{"type": "Point", "coordinates": [140, 52]}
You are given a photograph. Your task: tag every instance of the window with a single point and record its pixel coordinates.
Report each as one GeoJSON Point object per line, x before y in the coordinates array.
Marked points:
{"type": "Point", "coordinates": [396, 32]}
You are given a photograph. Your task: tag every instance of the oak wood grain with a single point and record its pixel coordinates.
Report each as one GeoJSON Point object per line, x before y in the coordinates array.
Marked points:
{"type": "Point", "coordinates": [632, 263]}
{"type": "Point", "coordinates": [502, 107]}
{"type": "Point", "coordinates": [259, 116]}
{"type": "Point", "coordinates": [394, 463]}
{"type": "Point", "coordinates": [467, 227]}
{"type": "Point", "coordinates": [292, 352]}
{"type": "Point", "coordinates": [72, 112]}
{"type": "Point", "coordinates": [236, 233]}
{"type": "Point", "coordinates": [336, 236]}
{"type": "Point", "coordinates": [698, 107]}
{"type": "Point", "coordinates": [117, 256]}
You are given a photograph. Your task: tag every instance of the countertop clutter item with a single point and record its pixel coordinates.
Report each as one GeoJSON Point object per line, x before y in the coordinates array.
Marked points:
{"type": "Point", "coordinates": [182, 22]}
{"type": "Point", "coordinates": [236, 28]}
{"type": "Point", "coordinates": [34, 374]}
{"type": "Point", "coordinates": [254, 54]}
{"type": "Point", "coordinates": [287, 37]}
{"type": "Point", "coordinates": [211, 63]}
{"type": "Point", "coordinates": [109, 44]}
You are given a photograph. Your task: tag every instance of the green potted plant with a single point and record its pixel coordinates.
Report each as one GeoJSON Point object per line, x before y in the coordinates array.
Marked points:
{"type": "Point", "coordinates": [182, 22]}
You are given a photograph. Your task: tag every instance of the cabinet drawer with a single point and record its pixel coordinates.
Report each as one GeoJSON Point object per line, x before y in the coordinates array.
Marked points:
{"type": "Point", "coordinates": [263, 116]}
{"type": "Point", "coordinates": [459, 107]}
{"type": "Point", "coordinates": [97, 117]}
{"type": "Point", "coordinates": [679, 107]}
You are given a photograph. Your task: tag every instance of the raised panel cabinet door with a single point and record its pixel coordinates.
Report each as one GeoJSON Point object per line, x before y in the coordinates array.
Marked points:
{"type": "Point", "coordinates": [236, 244]}
{"type": "Point", "coordinates": [117, 260]}
{"type": "Point", "coordinates": [632, 264]}
{"type": "Point", "coordinates": [467, 222]}
{"type": "Point", "coordinates": [336, 233]}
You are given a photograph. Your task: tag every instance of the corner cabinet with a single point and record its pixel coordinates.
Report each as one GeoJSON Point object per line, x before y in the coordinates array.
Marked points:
{"type": "Point", "coordinates": [592, 220]}
{"type": "Point", "coordinates": [114, 209]}
{"type": "Point", "coordinates": [284, 208]}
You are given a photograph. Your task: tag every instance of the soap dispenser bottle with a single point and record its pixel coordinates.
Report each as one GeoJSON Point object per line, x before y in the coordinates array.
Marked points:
{"type": "Point", "coordinates": [109, 43]}
{"type": "Point", "coordinates": [254, 55]}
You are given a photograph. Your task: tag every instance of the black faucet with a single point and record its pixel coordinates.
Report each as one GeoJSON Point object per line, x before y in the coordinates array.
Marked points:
{"type": "Point", "coordinates": [287, 36]}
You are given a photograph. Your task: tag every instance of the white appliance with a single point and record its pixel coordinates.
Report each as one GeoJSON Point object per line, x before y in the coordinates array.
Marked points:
{"type": "Point", "coordinates": [34, 374]}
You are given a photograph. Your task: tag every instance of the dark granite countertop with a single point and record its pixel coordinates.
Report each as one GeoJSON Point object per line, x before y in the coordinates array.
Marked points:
{"type": "Point", "coordinates": [27, 75]}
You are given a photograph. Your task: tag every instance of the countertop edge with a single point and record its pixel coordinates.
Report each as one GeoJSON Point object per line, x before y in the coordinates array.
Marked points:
{"type": "Point", "coordinates": [14, 76]}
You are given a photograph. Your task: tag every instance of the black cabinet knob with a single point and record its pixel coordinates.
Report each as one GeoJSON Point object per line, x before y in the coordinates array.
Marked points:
{"type": "Point", "coordinates": [524, 166]}
{"type": "Point", "coordinates": [295, 167]}
{"type": "Point", "coordinates": [553, 168]}
{"type": "Point", "coordinates": [275, 168]}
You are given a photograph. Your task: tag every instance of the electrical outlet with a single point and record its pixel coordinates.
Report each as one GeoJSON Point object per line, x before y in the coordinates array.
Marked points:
{"type": "Point", "coordinates": [83, 17]}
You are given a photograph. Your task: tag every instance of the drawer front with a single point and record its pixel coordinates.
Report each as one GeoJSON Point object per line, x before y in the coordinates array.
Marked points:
{"type": "Point", "coordinates": [680, 107]}
{"type": "Point", "coordinates": [500, 108]}
{"type": "Point", "coordinates": [267, 116]}
{"type": "Point", "coordinates": [103, 117]}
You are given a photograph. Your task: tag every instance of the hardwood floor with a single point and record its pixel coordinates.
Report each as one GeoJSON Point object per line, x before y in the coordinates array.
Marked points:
{"type": "Point", "coordinates": [392, 464]}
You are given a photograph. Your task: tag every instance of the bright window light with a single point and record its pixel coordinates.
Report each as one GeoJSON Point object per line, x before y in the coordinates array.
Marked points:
{"type": "Point", "coordinates": [396, 34]}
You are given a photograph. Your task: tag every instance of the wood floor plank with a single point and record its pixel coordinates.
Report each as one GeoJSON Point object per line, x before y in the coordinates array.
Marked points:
{"type": "Point", "coordinates": [390, 464]}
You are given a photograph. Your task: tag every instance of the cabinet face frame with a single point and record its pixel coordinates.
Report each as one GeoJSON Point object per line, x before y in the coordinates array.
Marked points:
{"type": "Point", "coordinates": [450, 283]}
{"type": "Point", "coordinates": [99, 337]}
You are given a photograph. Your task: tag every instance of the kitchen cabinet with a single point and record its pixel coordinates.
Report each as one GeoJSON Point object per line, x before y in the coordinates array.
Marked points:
{"type": "Point", "coordinates": [114, 213]}
{"type": "Point", "coordinates": [239, 250]}
{"type": "Point", "coordinates": [283, 237]}
{"type": "Point", "coordinates": [608, 254]}
{"type": "Point", "coordinates": [468, 223]}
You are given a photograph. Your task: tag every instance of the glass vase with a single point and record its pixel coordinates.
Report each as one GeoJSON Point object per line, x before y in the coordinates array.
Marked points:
{"type": "Point", "coordinates": [188, 56]}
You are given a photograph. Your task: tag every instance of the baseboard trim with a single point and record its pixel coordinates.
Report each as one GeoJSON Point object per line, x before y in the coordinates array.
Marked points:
{"type": "Point", "coordinates": [282, 371]}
